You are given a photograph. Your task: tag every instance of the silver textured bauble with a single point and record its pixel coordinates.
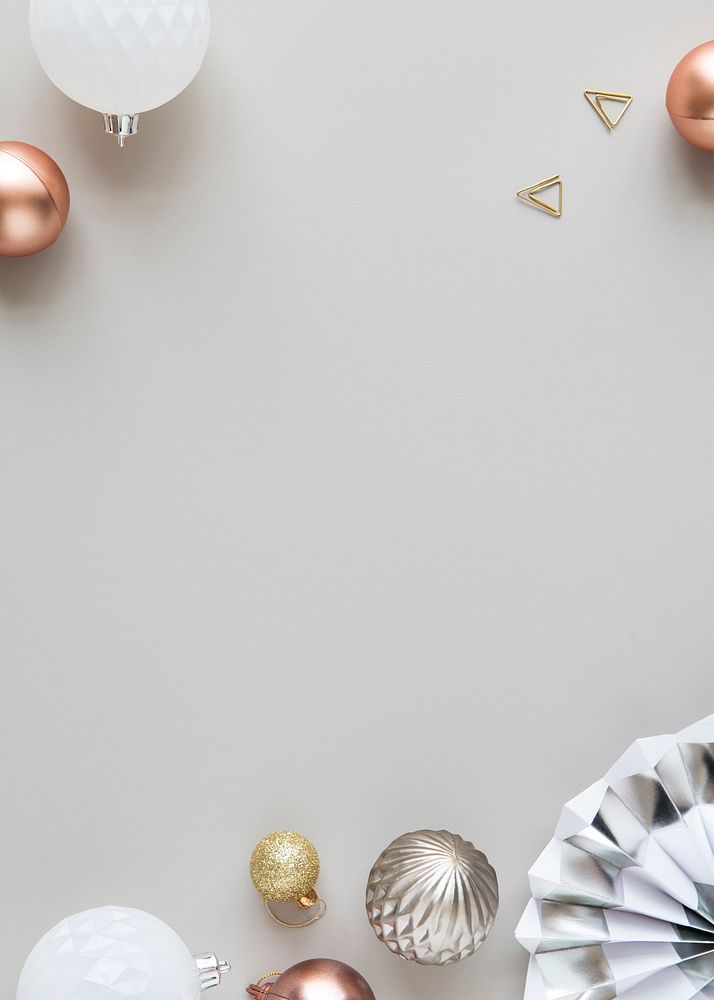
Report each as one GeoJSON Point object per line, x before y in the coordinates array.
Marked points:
{"type": "Point", "coordinates": [432, 897]}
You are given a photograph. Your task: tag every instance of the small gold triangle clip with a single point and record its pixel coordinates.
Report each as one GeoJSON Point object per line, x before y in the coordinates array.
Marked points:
{"type": "Point", "coordinates": [530, 195]}
{"type": "Point", "coordinates": [595, 99]}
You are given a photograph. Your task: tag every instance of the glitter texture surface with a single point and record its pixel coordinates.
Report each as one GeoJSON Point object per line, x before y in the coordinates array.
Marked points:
{"type": "Point", "coordinates": [284, 867]}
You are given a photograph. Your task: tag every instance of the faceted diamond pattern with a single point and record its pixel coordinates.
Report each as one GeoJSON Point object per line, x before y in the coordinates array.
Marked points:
{"type": "Point", "coordinates": [432, 897]}
{"type": "Point", "coordinates": [120, 56]}
{"type": "Point", "coordinates": [107, 954]}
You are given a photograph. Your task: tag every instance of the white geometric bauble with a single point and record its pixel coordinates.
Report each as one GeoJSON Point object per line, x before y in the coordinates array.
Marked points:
{"type": "Point", "coordinates": [623, 896]}
{"type": "Point", "coordinates": [120, 57]}
{"type": "Point", "coordinates": [113, 952]}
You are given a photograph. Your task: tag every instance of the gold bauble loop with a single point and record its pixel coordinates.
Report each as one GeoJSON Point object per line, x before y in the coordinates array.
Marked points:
{"type": "Point", "coordinates": [315, 911]}
{"type": "Point", "coordinates": [284, 867]}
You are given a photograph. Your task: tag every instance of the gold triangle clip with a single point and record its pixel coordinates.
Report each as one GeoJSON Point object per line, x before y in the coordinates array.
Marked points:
{"type": "Point", "coordinates": [595, 99]}
{"type": "Point", "coordinates": [528, 195]}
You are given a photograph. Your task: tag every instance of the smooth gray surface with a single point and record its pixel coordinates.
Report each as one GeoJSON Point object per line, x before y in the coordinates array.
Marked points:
{"type": "Point", "coordinates": [341, 491]}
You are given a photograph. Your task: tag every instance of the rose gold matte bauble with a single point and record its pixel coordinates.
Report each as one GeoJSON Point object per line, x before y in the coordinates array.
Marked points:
{"type": "Point", "coordinates": [34, 200]}
{"type": "Point", "coordinates": [690, 97]}
{"type": "Point", "coordinates": [318, 979]}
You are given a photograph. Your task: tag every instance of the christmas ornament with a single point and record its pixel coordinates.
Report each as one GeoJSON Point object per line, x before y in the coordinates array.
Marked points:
{"type": "Point", "coordinates": [34, 200]}
{"type": "Point", "coordinates": [690, 97]}
{"type": "Point", "coordinates": [316, 979]}
{"type": "Point", "coordinates": [113, 951]}
{"type": "Point", "coordinates": [284, 868]}
{"type": "Point", "coordinates": [120, 58]}
{"type": "Point", "coordinates": [623, 896]}
{"type": "Point", "coordinates": [432, 897]}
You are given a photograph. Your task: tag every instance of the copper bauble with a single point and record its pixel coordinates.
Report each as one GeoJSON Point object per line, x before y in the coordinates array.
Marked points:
{"type": "Point", "coordinates": [690, 97]}
{"type": "Point", "coordinates": [316, 979]}
{"type": "Point", "coordinates": [34, 200]}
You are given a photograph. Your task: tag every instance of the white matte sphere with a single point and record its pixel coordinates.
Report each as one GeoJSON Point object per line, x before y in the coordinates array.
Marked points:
{"type": "Point", "coordinates": [108, 953]}
{"type": "Point", "coordinates": [120, 56]}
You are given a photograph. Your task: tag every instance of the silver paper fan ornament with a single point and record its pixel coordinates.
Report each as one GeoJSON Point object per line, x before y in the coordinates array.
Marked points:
{"type": "Point", "coordinates": [623, 896]}
{"type": "Point", "coordinates": [432, 897]}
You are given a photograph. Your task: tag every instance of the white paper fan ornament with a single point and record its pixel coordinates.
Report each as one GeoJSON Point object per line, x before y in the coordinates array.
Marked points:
{"type": "Point", "coordinates": [623, 896]}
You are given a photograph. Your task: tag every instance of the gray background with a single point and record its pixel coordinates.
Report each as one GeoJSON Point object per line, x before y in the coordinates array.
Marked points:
{"type": "Point", "coordinates": [341, 491]}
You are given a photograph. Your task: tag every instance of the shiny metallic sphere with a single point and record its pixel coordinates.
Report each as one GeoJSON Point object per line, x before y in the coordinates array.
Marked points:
{"type": "Point", "coordinates": [690, 97]}
{"type": "Point", "coordinates": [432, 897]}
{"type": "Point", "coordinates": [34, 200]}
{"type": "Point", "coordinates": [319, 979]}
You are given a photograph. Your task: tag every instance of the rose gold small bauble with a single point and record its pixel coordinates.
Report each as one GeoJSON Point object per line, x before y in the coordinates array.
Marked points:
{"type": "Point", "coordinates": [34, 200]}
{"type": "Point", "coordinates": [316, 979]}
{"type": "Point", "coordinates": [690, 97]}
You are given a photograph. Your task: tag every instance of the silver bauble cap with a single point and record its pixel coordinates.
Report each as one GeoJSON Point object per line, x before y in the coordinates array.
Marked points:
{"type": "Point", "coordinates": [432, 897]}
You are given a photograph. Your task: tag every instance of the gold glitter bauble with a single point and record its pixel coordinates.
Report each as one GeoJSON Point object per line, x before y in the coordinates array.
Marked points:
{"type": "Point", "coordinates": [284, 867]}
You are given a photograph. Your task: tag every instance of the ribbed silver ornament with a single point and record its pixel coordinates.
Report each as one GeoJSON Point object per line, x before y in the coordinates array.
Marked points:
{"type": "Point", "coordinates": [432, 897]}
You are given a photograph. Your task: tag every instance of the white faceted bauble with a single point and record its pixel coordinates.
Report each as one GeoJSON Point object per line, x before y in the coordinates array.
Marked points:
{"type": "Point", "coordinates": [110, 953]}
{"type": "Point", "coordinates": [432, 897]}
{"type": "Point", "coordinates": [120, 57]}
